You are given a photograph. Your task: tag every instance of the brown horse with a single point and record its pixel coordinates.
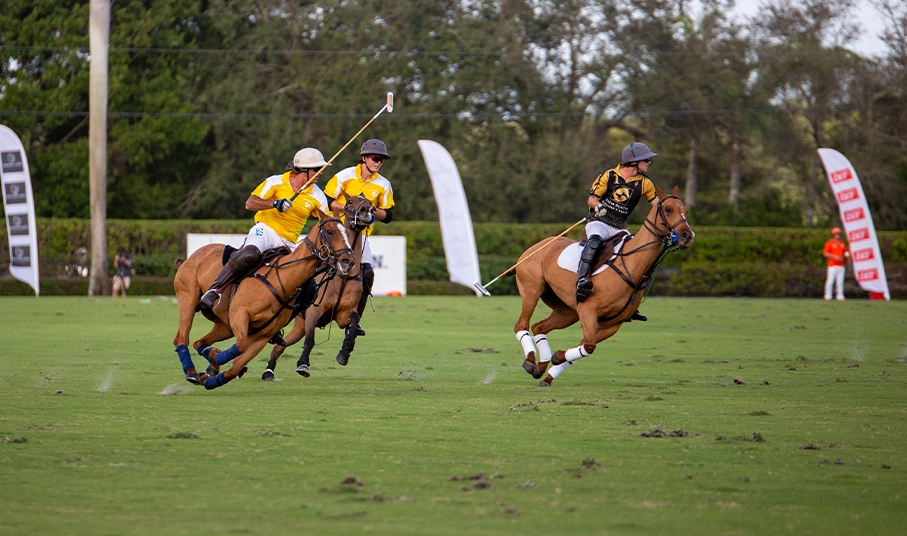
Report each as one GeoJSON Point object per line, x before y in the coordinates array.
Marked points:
{"type": "Point", "coordinates": [259, 306]}
{"type": "Point", "coordinates": [617, 289]}
{"type": "Point", "coordinates": [332, 299]}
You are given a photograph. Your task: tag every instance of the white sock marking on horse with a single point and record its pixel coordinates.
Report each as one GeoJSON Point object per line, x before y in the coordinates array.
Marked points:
{"type": "Point", "coordinates": [541, 342]}
{"type": "Point", "coordinates": [576, 353]}
{"type": "Point", "coordinates": [556, 371]}
{"type": "Point", "coordinates": [526, 340]}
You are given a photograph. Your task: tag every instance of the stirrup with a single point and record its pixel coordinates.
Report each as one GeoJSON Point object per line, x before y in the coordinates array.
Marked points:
{"type": "Point", "coordinates": [209, 299]}
{"type": "Point", "coordinates": [583, 289]}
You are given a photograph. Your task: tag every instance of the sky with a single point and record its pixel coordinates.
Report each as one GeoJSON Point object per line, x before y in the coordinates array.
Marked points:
{"type": "Point", "coordinates": [870, 21]}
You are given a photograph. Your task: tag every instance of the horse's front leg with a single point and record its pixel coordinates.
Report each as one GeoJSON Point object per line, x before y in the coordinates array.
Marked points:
{"type": "Point", "coordinates": [292, 338]}
{"type": "Point", "coordinates": [302, 364]}
{"type": "Point", "coordinates": [349, 340]}
{"type": "Point", "coordinates": [588, 318]}
{"type": "Point", "coordinates": [239, 364]}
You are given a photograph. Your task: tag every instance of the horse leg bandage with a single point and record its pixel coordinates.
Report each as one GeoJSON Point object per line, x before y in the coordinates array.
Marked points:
{"type": "Point", "coordinates": [213, 382]}
{"type": "Point", "coordinates": [576, 353]}
{"type": "Point", "coordinates": [227, 355]}
{"type": "Point", "coordinates": [556, 371]}
{"type": "Point", "coordinates": [526, 340]}
{"type": "Point", "coordinates": [541, 342]}
{"type": "Point", "coordinates": [185, 358]}
{"type": "Point", "coordinates": [203, 351]}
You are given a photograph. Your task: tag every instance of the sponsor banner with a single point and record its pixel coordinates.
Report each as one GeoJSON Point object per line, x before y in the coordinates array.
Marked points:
{"type": "Point", "coordinates": [388, 253]}
{"type": "Point", "coordinates": [868, 268]}
{"type": "Point", "coordinates": [19, 206]}
{"type": "Point", "coordinates": [453, 212]}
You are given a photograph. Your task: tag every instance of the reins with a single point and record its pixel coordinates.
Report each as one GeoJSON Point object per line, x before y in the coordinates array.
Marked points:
{"type": "Point", "coordinates": [668, 245]}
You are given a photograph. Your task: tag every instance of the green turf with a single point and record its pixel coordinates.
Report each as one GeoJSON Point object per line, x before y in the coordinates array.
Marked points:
{"type": "Point", "coordinates": [116, 442]}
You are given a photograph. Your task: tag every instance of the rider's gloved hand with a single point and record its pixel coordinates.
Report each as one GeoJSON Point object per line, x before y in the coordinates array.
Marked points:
{"type": "Point", "coordinates": [600, 210]}
{"type": "Point", "coordinates": [283, 205]}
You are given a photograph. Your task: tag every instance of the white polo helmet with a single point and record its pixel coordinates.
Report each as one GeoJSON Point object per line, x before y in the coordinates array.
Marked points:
{"type": "Point", "coordinates": [308, 158]}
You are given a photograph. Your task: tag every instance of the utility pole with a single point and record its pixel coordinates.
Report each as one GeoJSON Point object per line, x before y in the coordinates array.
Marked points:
{"type": "Point", "coordinates": [98, 39]}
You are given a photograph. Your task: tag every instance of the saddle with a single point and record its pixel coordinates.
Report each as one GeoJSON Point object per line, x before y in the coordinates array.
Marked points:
{"type": "Point", "coordinates": [569, 258]}
{"type": "Point", "coordinates": [266, 257]}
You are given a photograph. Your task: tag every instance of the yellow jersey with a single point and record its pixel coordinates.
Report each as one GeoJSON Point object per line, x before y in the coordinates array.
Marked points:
{"type": "Point", "coordinates": [349, 182]}
{"type": "Point", "coordinates": [289, 224]}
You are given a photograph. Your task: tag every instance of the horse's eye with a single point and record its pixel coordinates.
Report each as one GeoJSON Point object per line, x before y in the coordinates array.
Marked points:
{"type": "Point", "coordinates": [667, 210]}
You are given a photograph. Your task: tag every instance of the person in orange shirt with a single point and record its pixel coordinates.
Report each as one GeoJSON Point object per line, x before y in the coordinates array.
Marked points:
{"type": "Point", "coordinates": [836, 252]}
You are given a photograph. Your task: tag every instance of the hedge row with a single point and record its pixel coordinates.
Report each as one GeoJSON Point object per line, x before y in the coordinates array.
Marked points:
{"type": "Point", "coordinates": [735, 261]}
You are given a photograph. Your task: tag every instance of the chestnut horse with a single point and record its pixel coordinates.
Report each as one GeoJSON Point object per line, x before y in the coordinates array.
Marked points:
{"type": "Point", "coordinates": [259, 306]}
{"type": "Point", "coordinates": [333, 298]}
{"type": "Point", "coordinates": [617, 290]}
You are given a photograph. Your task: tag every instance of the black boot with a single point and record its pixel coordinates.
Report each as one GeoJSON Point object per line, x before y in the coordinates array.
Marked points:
{"type": "Point", "coordinates": [368, 279]}
{"type": "Point", "coordinates": [241, 262]}
{"type": "Point", "coordinates": [638, 316]}
{"type": "Point", "coordinates": [586, 258]}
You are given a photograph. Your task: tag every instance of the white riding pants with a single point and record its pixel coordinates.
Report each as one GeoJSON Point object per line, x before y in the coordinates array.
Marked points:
{"type": "Point", "coordinates": [835, 278]}
{"type": "Point", "coordinates": [265, 238]}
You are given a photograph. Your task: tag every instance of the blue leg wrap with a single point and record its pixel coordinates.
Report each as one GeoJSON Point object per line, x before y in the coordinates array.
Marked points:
{"type": "Point", "coordinates": [213, 382]}
{"type": "Point", "coordinates": [185, 358]}
{"type": "Point", "coordinates": [202, 351]}
{"type": "Point", "coordinates": [227, 355]}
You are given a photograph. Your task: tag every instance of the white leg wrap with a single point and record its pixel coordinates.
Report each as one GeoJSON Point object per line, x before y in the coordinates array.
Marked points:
{"type": "Point", "coordinates": [526, 340]}
{"type": "Point", "coordinates": [576, 353]}
{"type": "Point", "coordinates": [541, 342]}
{"type": "Point", "coordinates": [556, 371]}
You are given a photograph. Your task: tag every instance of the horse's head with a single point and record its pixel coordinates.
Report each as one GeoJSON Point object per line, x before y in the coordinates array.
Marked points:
{"type": "Point", "coordinates": [671, 219]}
{"type": "Point", "coordinates": [333, 244]}
{"type": "Point", "coordinates": [358, 213]}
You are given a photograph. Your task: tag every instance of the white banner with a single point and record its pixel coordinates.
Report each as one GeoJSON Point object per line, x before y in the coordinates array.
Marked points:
{"type": "Point", "coordinates": [388, 253]}
{"type": "Point", "coordinates": [453, 211]}
{"type": "Point", "coordinates": [868, 268]}
{"type": "Point", "coordinates": [19, 206]}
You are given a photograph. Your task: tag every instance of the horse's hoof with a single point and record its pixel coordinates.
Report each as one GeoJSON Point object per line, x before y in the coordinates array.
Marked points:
{"type": "Point", "coordinates": [212, 370]}
{"type": "Point", "coordinates": [193, 378]}
{"type": "Point", "coordinates": [544, 384]}
{"type": "Point", "coordinates": [303, 370]}
{"type": "Point", "coordinates": [531, 369]}
{"type": "Point", "coordinates": [243, 371]}
{"type": "Point", "coordinates": [343, 359]}
{"type": "Point", "coordinates": [559, 358]}
{"type": "Point", "coordinates": [268, 376]}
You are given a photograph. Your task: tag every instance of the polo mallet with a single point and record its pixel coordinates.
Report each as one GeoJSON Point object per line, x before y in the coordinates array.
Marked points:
{"type": "Point", "coordinates": [483, 288]}
{"type": "Point", "coordinates": [389, 107]}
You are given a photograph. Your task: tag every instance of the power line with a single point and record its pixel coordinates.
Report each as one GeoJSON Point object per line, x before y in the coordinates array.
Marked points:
{"type": "Point", "coordinates": [506, 116]}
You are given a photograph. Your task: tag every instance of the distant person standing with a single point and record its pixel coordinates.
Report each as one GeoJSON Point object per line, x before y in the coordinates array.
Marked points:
{"type": "Point", "coordinates": [122, 277]}
{"type": "Point", "coordinates": [836, 252]}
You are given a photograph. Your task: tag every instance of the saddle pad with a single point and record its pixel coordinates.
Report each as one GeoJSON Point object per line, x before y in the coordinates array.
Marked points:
{"type": "Point", "coordinates": [569, 258]}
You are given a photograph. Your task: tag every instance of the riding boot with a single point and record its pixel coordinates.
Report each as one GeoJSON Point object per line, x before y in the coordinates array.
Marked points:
{"type": "Point", "coordinates": [586, 258]}
{"type": "Point", "coordinates": [241, 262]}
{"type": "Point", "coordinates": [368, 280]}
{"type": "Point", "coordinates": [638, 316]}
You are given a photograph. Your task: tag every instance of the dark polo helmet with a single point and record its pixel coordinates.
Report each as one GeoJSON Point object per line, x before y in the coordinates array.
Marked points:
{"type": "Point", "coordinates": [635, 152]}
{"type": "Point", "coordinates": [375, 147]}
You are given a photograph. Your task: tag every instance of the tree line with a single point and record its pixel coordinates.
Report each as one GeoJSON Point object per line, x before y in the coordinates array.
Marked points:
{"type": "Point", "coordinates": [533, 98]}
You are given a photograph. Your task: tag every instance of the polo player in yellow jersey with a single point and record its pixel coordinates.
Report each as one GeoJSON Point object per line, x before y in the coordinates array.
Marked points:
{"type": "Point", "coordinates": [613, 197]}
{"type": "Point", "coordinates": [278, 221]}
{"type": "Point", "coordinates": [364, 179]}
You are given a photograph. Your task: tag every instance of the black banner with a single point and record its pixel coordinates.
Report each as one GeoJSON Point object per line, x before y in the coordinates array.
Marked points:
{"type": "Point", "coordinates": [20, 255]}
{"type": "Point", "coordinates": [12, 161]}
{"type": "Point", "coordinates": [17, 224]}
{"type": "Point", "coordinates": [15, 193]}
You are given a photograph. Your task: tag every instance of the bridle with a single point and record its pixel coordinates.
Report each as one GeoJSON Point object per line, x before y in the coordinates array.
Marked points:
{"type": "Point", "coordinates": [353, 216]}
{"type": "Point", "coordinates": [669, 239]}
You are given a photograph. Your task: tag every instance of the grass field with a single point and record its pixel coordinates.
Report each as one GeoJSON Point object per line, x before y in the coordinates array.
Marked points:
{"type": "Point", "coordinates": [792, 416]}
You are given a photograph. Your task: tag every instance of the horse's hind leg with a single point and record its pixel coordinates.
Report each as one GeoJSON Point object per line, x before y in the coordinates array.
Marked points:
{"type": "Point", "coordinates": [561, 316]}
{"type": "Point", "coordinates": [292, 338]}
{"type": "Point", "coordinates": [239, 364]}
{"type": "Point", "coordinates": [186, 306]}
{"type": "Point", "coordinates": [302, 364]}
{"type": "Point", "coordinates": [592, 334]}
{"type": "Point", "coordinates": [349, 341]}
{"type": "Point", "coordinates": [530, 294]}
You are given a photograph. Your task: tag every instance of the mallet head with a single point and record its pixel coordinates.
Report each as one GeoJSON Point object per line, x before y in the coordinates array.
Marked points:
{"type": "Point", "coordinates": [390, 101]}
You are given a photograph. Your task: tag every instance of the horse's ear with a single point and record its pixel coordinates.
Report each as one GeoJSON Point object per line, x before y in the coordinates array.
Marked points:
{"type": "Point", "coordinates": [321, 214]}
{"type": "Point", "coordinates": [659, 192]}
{"type": "Point", "coordinates": [676, 191]}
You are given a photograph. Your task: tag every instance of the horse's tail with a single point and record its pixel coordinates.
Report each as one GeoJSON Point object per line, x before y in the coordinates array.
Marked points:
{"type": "Point", "coordinates": [179, 261]}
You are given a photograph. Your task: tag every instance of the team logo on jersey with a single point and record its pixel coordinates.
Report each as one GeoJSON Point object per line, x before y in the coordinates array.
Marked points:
{"type": "Point", "coordinates": [621, 195]}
